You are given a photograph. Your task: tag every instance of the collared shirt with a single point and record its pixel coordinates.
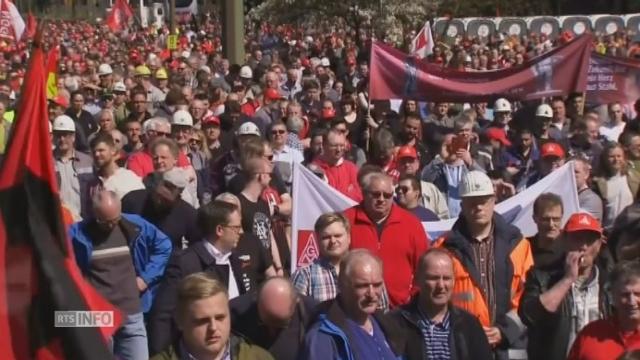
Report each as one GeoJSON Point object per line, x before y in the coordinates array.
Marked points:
{"type": "Point", "coordinates": [435, 337]}
{"type": "Point", "coordinates": [369, 345]}
{"type": "Point", "coordinates": [69, 184]}
{"type": "Point", "coordinates": [284, 160]}
{"type": "Point", "coordinates": [319, 280]}
{"type": "Point", "coordinates": [186, 355]}
{"type": "Point", "coordinates": [484, 260]}
{"type": "Point", "coordinates": [293, 141]}
{"type": "Point", "coordinates": [223, 259]}
{"type": "Point", "coordinates": [585, 304]}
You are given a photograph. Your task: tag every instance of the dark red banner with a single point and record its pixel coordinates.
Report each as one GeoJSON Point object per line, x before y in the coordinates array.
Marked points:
{"type": "Point", "coordinates": [396, 75]}
{"type": "Point", "coordinates": [612, 79]}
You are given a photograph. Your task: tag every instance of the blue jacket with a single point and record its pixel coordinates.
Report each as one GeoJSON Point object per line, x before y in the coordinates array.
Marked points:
{"type": "Point", "coordinates": [327, 339]}
{"type": "Point", "coordinates": [150, 250]}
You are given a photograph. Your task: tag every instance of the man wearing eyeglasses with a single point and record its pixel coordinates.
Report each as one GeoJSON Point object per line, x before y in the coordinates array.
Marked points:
{"type": "Point", "coordinates": [340, 173]}
{"type": "Point", "coordinates": [123, 256]}
{"type": "Point", "coordinates": [390, 232]}
{"type": "Point", "coordinates": [409, 194]}
{"type": "Point", "coordinates": [139, 110]}
{"type": "Point", "coordinates": [221, 226]}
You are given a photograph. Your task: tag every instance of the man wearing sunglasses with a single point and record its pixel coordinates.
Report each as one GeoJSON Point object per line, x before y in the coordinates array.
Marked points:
{"type": "Point", "coordinates": [390, 232]}
{"type": "Point", "coordinates": [409, 194]}
{"type": "Point", "coordinates": [123, 256]}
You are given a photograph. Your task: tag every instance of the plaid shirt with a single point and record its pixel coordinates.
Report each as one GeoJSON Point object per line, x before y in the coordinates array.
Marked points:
{"type": "Point", "coordinates": [319, 280]}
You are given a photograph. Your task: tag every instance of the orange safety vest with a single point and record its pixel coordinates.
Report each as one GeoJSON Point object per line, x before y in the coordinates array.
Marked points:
{"type": "Point", "coordinates": [468, 296]}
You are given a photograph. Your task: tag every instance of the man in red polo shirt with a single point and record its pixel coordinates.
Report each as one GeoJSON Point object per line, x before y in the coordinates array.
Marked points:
{"type": "Point", "coordinates": [341, 173]}
{"type": "Point", "coordinates": [609, 338]}
{"type": "Point", "coordinates": [390, 232]}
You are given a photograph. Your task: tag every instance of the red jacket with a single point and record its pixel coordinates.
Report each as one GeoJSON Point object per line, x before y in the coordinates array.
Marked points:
{"type": "Point", "coordinates": [603, 340]}
{"type": "Point", "coordinates": [402, 242]}
{"type": "Point", "coordinates": [342, 177]}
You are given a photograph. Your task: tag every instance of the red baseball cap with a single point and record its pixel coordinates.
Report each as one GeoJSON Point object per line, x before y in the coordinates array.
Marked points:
{"type": "Point", "coordinates": [211, 120]}
{"type": "Point", "coordinates": [494, 133]}
{"type": "Point", "coordinates": [583, 222]}
{"type": "Point", "coordinates": [272, 94]}
{"type": "Point", "coordinates": [351, 61]}
{"type": "Point", "coordinates": [552, 149]}
{"type": "Point", "coordinates": [328, 114]}
{"type": "Point", "coordinates": [407, 152]}
{"type": "Point", "coordinates": [60, 101]}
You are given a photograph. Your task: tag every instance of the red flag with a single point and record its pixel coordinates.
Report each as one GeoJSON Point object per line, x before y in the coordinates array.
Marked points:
{"type": "Point", "coordinates": [11, 23]}
{"type": "Point", "coordinates": [38, 273]}
{"type": "Point", "coordinates": [32, 25]}
{"type": "Point", "coordinates": [119, 16]}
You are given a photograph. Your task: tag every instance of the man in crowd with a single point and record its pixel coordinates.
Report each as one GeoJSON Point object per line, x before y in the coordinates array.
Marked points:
{"type": "Point", "coordinates": [141, 162]}
{"type": "Point", "coordinates": [351, 326]}
{"type": "Point", "coordinates": [409, 195]}
{"type": "Point", "coordinates": [611, 337]}
{"type": "Point", "coordinates": [430, 197]}
{"type": "Point", "coordinates": [283, 155]}
{"type": "Point", "coordinates": [560, 123]}
{"type": "Point", "coordinates": [491, 259]}
{"type": "Point", "coordinates": [409, 136]}
{"type": "Point", "coordinates": [434, 327]}
{"type": "Point", "coordinates": [547, 215]}
{"type": "Point", "coordinates": [612, 129]}
{"type": "Point", "coordinates": [390, 232]}
{"type": "Point", "coordinates": [340, 173]}
{"type": "Point", "coordinates": [108, 174]}
{"type": "Point", "coordinates": [559, 301]}
{"type": "Point", "coordinates": [74, 169]}
{"type": "Point", "coordinates": [201, 297]}
{"type": "Point", "coordinates": [220, 224]}
{"type": "Point", "coordinates": [275, 319]}
{"type": "Point", "coordinates": [133, 132]}
{"type": "Point", "coordinates": [123, 256]}
{"type": "Point", "coordinates": [588, 199]}
{"type": "Point", "coordinates": [162, 205]}
{"type": "Point", "coordinates": [552, 156]}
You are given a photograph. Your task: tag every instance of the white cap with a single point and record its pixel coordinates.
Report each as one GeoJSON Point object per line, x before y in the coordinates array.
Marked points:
{"type": "Point", "coordinates": [248, 128]}
{"type": "Point", "coordinates": [206, 69]}
{"type": "Point", "coordinates": [177, 177]}
{"type": "Point", "coordinates": [467, 58]}
{"type": "Point", "coordinates": [185, 54]}
{"type": "Point", "coordinates": [246, 72]}
{"type": "Point", "coordinates": [182, 117]}
{"type": "Point", "coordinates": [544, 110]}
{"type": "Point", "coordinates": [502, 105]}
{"type": "Point", "coordinates": [475, 183]}
{"type": "Point", "coordinates": [325, 62]}
{"type": "Point", "coordinates": [119, 86]}
{"type": "Point", "coordinates": [64, 123]}
{"type": "Point", "coordinates": [105, 69]}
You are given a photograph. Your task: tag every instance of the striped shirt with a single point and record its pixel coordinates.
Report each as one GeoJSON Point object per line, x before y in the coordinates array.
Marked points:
{"type": "Point", "coordinates": [319, 280]}
{"type": "Point", "coordinates": [485, 262]}
{"type": "Point", "coordinates": [435, 337]}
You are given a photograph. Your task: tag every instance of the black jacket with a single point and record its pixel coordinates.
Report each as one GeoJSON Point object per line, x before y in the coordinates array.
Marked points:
{"type": "Point", "coordinates": [549, 332]}
{"type": "Point", "coordinates": [161, 327]}
{"type": "Point", "coordinates": [467, 340]}
{"type": "Point", "coordinates": [284, 345]}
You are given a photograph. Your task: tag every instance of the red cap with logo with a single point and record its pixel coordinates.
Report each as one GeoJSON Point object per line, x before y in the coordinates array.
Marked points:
{"type": "Point", "coordinates": [494, 133]}
{"type": "Point", "coordinates": [552, 149]}
{"type": "Point", "coordinates": [211, 120]}
{"type": "Point", "coordinates": [583, 222]}
{"type": "Point", "coordinates": [407, 152]}
{"type": "Point", "coordinates": [60, 101]}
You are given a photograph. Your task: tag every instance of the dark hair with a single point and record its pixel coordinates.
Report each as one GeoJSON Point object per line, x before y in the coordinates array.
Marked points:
{"type": "Point", "coordinates": [630, 355]}
{"type": "Point", "coordinates": [77, 92]}
{"type": "Point", "coordinates": [337, 121]}
{"type": "Point", "coordinates": [415, 182]}
{"type": "Point", "coordinates": [546, 200]}
{"type": "Point", "coordinates": [213, 214]}
{"type": "Point", "coordinates": [604, 168]}
{"type": "Point", "coordinates": [102, 138]}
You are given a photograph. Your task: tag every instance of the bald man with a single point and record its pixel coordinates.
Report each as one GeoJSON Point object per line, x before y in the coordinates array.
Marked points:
{"type": "Point", "coordinates": [275, 319]}
{"type": "Point", "coordinates": [123, 256]}
{"type": "Point", "coordinates": [456, 334]}
{"type": "Point", "coordinates": [351, 326]}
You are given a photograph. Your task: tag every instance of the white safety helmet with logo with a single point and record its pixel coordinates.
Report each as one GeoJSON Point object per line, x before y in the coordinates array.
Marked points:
{"type": "Point", "coordinates": [182, 118]}
{"type": "Point", "coordinates": [502, 105]}
{"type": "Point", "coordinates": [476, 183]}
{"type": "Point", "coordinates": [544, 110]}
{"type": "Point", "coordinates": [64, 123]}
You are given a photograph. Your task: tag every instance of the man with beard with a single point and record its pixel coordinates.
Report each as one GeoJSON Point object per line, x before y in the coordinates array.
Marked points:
{"type": "Point", "coordinates": [162, 206]}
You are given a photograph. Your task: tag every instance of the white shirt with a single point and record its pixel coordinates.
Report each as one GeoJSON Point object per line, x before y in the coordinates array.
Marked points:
{"type": "Point", "coordinates": [619, 196]}
{"type": "Point", "coordinates": [612, 133]}
{"type": "Point", "coordinates": [122, 182]}
{"type": "Point", "coordinates": [223, 259]}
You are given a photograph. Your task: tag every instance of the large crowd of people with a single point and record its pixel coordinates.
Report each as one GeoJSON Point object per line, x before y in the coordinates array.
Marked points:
{"type": "Point", "coordinates": [177, 167]}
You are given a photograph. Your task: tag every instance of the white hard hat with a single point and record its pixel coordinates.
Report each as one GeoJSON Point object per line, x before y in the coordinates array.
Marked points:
{"type": "Point", "coordinates": [105, 69]}
{"type": "Point", "coordinates": [248, 128]}
{"type": "Point", "coordinates": [119, 86]}
{"type": "Point", "coordinates": [502, 105]}
{"type": "Point", "coordinates": [64, 123]}
{"type": "Point", "coordinates": [325, 62]}
{"type": "Point", "coordinates": [182, 117]}
{"type": "Point", "coordinates": [475, 183]}
{"type": "Point", "coordinates": [544, 110]}
{"type": "Point", "coordinates": [246, 72]}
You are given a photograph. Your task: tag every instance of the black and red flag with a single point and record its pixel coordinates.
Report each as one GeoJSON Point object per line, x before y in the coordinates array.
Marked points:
{"type": "Point", "coordinates": [38, 273]}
